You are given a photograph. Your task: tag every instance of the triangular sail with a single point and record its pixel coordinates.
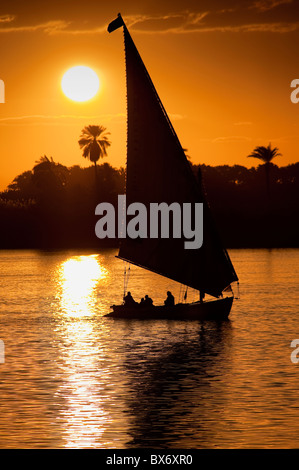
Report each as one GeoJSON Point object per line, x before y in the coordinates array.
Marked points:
{"type": "Point", "coordinates": [158, 171]}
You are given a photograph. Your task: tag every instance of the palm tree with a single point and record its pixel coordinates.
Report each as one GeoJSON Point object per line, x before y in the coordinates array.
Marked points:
{"type": "Point", "coordinates": [266, 155]}
{"type": "Point", "coordinates": [94, 142]}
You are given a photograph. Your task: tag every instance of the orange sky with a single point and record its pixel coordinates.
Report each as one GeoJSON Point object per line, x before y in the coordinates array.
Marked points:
{"type": "Point", "coordinates": [222, 70]}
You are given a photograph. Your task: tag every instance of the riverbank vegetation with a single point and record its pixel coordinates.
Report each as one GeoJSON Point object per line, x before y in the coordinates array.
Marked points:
{"type": "Point", "coordinates": [53, 207]}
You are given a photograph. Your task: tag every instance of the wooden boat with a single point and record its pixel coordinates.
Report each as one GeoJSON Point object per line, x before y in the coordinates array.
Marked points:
{"type": "Point", "coordinates": [158, 171]}
{"type": "Point", "coordinates": [210, 310]}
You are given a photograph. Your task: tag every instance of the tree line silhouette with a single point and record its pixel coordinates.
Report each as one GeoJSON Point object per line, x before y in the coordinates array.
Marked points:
{"type": "Point", "coordinates": [53, 206]}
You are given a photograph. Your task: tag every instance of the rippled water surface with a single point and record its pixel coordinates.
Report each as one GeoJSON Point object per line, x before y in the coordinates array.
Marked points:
{"type": "Point", "coordinates": [75, 379]}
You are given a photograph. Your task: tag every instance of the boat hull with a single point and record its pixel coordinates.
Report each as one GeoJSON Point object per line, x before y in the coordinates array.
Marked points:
{"type": "Point", "coordinates": [212, 310]}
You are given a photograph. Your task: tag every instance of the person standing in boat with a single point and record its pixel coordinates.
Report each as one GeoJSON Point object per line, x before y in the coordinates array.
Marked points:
{"type": "Point", "coordinates": [169, 302]}
{"type": "Point", "coordinates": [129, 301]}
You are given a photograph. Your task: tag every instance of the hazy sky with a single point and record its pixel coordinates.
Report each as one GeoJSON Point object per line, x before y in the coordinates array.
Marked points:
{"type": "Point", "coordinates": [223, 71]}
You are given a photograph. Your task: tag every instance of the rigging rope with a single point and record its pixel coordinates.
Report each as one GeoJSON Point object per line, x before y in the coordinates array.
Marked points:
{"type": "Point", "coordinates": [126, 277]}
{"type": "Point", "coordinates": [186, 293]}
{"type": "Point", "coordinates": [181, 293]}
{"type": "Point", "coordinates": [238, 290]}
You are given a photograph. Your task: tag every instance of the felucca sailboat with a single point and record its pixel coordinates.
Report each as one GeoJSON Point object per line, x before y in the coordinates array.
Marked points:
{"type": "Point", "coordinates": [158, 171]}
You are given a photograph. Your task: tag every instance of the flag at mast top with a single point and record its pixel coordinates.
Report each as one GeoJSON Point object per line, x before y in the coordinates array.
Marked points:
{"type": "Point", "coordinates": [115, 24]}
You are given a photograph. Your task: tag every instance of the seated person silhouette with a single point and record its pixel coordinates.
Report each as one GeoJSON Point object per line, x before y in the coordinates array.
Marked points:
{"type": "Point", "coordinates": [147, 301]}
{"type": "Point", "coordinates": [169, 302]}
{"type": "Point", "coordinates": [129, 301]}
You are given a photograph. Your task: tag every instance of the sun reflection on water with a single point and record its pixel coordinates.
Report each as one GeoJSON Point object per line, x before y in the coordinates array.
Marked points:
{"type": "Point", "coordinates": [78, 278]}
{"type": "Point", "coordinates": [84, 414]}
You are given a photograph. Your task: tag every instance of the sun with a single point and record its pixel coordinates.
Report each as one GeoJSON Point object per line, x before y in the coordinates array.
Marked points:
{"type": "Point", "coordinates": [80, 83]}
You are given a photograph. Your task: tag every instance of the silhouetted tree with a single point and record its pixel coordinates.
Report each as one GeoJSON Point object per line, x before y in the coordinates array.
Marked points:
{"type": "Point", "coordinates": [266, 155]}
{"type": "Point", "coordinates": [22, 187]}
{"type": "Point", "coordinates": [49, 178]}
{"type": "Point", "coordinates": [94, 142]}
{"type": "Point", "coordinates": [46, 168]}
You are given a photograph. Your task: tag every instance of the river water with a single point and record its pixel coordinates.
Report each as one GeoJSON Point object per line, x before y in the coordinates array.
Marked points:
{"type": "Point", "coordinates": [72, 378]}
